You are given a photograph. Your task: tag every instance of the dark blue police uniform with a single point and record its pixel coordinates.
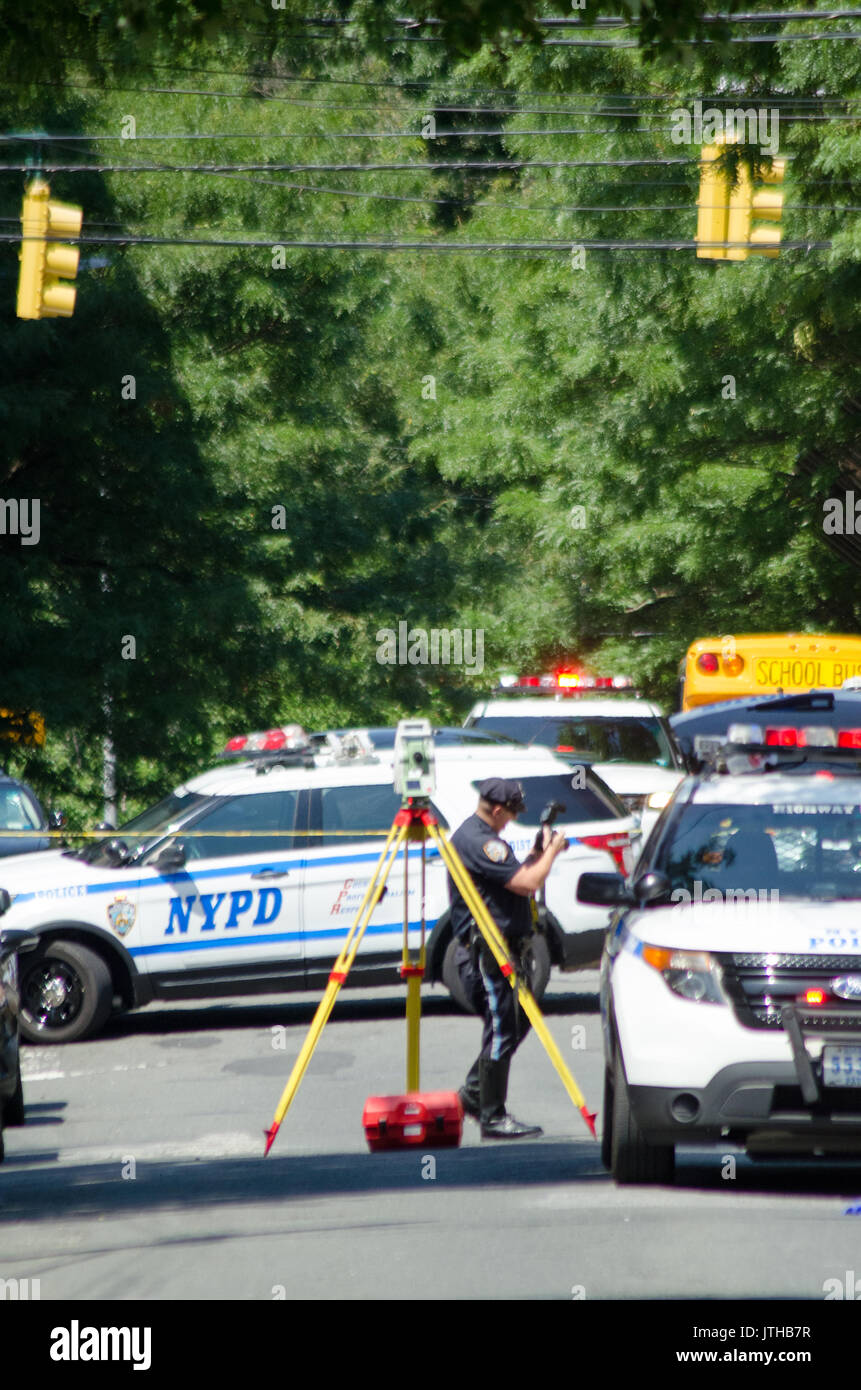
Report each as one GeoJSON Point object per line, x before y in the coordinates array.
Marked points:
{"type": "Point", "coordinates": [491, 863]}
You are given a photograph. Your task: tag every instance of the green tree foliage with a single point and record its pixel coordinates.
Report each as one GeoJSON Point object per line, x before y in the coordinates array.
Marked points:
{"type": "Point", "coordinates": [587, 456]}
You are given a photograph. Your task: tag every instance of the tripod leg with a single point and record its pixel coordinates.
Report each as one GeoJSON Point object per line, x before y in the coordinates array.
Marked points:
{"type": "Point", "coordinates": [396, 837]}
{"type": "Point", "coordinates": [414, 1009]}
{"type": "Point", "coordinates": [495, 941]}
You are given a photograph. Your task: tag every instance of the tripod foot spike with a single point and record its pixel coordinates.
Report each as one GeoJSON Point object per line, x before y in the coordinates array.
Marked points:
{"type": "Point", "coordinates": [590, 1119]}
{"type": "Point", "coordinates": [270, 1138]}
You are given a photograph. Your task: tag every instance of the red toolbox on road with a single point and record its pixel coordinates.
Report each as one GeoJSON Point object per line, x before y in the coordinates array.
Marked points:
{"type": "Point", "coordinates": [431, 1119]}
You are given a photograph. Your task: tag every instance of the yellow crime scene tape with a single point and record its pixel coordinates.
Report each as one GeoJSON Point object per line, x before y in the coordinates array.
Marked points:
{"type": "Point", "coordinates": [186, 834]}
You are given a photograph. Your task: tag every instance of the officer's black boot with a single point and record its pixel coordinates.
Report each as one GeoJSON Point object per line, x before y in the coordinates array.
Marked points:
{"type": "Point", "coordinates": [496, 1123]}
{"type": "Point", "coordinates": [470, 1092]}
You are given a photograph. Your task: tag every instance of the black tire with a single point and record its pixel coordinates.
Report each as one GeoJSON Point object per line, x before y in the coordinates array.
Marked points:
{"type": "Point", "coordinates": [633, 1159]}
{"type": "Point", "coordinates": [539, 965]}
{"type": "Point", "coordinates": [539, 971]}
{"type": "Point", "coordinates": [13, 1110]}
{"type": "Point", "coordinates": [66, 993]}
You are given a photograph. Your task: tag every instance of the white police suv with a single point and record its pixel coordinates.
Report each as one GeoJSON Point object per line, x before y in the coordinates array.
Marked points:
{"type": "Point", "coordinates": [247, 879]}
{"type": "Point", "coordinates": [731, 976]}
{"type": "Point", "coordinates": [627, 741]}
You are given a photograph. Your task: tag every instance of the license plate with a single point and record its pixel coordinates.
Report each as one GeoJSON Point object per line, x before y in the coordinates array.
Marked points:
{"type": "Point", "coordinates": [841, 1066]}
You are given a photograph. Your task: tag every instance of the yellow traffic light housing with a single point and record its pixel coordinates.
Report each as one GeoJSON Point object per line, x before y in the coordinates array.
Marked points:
{"type": "Point", "coordinates": [726, 213]}
{"type": "Point", "coordinates": [46, 265]}
{"type": "Point", "coordinates": [749, 204]}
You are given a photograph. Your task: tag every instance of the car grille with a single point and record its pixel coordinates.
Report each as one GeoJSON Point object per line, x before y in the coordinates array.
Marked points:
{"type": "Point", "coordinates": [759, 984]}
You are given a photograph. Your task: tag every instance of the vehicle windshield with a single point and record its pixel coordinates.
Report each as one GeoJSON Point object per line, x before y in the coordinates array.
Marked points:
{"type": "Point", "coordinates": [17, 811]}
{"type": "Point", "coordinates": [385, 737]}
{"type": "Point", "coordinates": [592, 801]}
{"type": "Point", "coordinates": [599, 739]}
{"type": "Point", "coordinates": [800, 850]}
{"type": "Point", "coordinates": [140, 833]}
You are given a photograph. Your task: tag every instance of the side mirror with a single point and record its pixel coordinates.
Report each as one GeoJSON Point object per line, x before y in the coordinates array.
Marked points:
{"type": "Point", "coordinates": [5, 901]}
{"type": "Point", "coordinates": [173, 857]}
{"type": "Point", "coordinates": [604, 890]}
{"type": "Point", "coordinates": [651, 888]}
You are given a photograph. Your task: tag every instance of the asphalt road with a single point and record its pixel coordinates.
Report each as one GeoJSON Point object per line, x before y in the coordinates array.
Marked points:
{"type": "Point", "coordinates": [140, 1175]}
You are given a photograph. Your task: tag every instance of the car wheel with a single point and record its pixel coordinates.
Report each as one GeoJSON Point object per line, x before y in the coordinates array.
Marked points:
{"type": "Point", "coordinates": [66, 993]}
{"type": "Point", "coordinates": [633, 1159]}
{"type": "Point", "coordinates": [13, 1110]}
{"type": "Point", "coordinates": [537, 960]}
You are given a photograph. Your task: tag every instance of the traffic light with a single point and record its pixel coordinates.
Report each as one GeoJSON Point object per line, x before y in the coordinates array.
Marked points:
{"type": "Point", "coordinates": [727, 214]}
{"type": "Point", "coordinates": [46, 265]}
{"type": "Point", "coordinates": [748, 204]}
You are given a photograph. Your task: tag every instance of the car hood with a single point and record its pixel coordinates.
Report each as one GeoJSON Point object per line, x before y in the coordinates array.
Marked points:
{"type": "Point", "coordinates": [51, 868]}
{"type": "Point", "coordinates": [761, 926]}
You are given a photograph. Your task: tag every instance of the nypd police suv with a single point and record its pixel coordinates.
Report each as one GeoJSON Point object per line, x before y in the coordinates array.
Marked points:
{"type": "Point", "coordinates": [731, 977]}
{"type": "Point", "coordinates": [247, 879]}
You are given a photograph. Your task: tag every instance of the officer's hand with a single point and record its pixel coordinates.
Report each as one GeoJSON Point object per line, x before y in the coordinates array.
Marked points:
{"type": "Point", "coordinates": [557, 842]}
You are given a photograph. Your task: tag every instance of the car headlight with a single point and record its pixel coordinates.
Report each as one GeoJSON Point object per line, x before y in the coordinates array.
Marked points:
{"type": "Point", "coordinates": [658, 800]}
{"type": "Point", "coordinates": [695, 975]}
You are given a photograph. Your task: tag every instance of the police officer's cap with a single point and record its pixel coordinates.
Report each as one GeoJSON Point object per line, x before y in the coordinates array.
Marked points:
{"type": "Point", "coordinates": [504, 793]}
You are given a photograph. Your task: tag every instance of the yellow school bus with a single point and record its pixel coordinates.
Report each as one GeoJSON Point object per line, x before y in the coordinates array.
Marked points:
{"type": "Point", "coordinates": [769, 663]}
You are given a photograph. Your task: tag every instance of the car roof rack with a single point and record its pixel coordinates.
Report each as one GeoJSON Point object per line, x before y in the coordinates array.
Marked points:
{"type": "Point", "coordinates": [265, 758]}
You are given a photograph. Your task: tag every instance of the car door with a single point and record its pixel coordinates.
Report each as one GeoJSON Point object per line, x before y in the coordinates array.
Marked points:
{"type": "Point", "coordinates": [353, 821]}
{"type": "Point", "coordinates": [236, 901]}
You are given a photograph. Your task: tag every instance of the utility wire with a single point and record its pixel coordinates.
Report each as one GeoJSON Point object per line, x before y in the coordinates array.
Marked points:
{"type": "Point", "coordinates": [617, 21]}
{"type": "Point", "coordinates": [407, 37]}
{"type": "Point", "coordinates": [438, 167]}
{"type": "Point", "coordinates": [226, 169]}
{"type": "Point", "coordinates": [270, 243]}
{"type": "Point", "coordinates": [442, 82]}
{"type": "Point", "coordinates": [603, 111]}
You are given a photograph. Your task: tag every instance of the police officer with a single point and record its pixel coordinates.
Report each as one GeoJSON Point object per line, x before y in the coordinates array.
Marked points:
{"type": "Point", "coordinates": [505, 885]}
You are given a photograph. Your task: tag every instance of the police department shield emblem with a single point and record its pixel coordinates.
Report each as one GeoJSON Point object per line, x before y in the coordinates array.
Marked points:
{"type": "Point", "coordinates": [496, 851]}
{"type": "Point", "coordinates": [121, 915]}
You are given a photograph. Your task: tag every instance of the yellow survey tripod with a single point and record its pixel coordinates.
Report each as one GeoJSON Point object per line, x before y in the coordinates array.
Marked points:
{"type": "Point", "coordinates": [415, 822]}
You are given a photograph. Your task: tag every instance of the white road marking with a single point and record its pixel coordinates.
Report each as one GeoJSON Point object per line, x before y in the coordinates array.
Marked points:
{"type": "Point", "coordinates": [226, 1145]}
{"type": "Point", "coordinates": [91, 1071]}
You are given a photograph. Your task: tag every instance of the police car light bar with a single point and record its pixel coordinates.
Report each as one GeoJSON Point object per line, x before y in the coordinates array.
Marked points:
{"type": "Point", "coordinates": [290, 738]}
{"type": "Point", "coordinates": [565, 682]}
{"type": "Point", "coordinates": [753, 746]}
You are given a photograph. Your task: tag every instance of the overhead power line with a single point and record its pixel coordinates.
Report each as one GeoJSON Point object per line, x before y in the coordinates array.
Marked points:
{"type": "Point", "coordinates": [321, 135]}
{"type": "Point", "coordinates": [270, 243]}
{"type": "Point", "coordinates": [612, 21]}
{"type": "Point", "coordinates": [603, 113]}
{"type": "Point", "coordinates": [410, 38]}
{"type": "Point", "coordinates": [439, 167]}
{"type": "Point", "coordinates": [437, 83]}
